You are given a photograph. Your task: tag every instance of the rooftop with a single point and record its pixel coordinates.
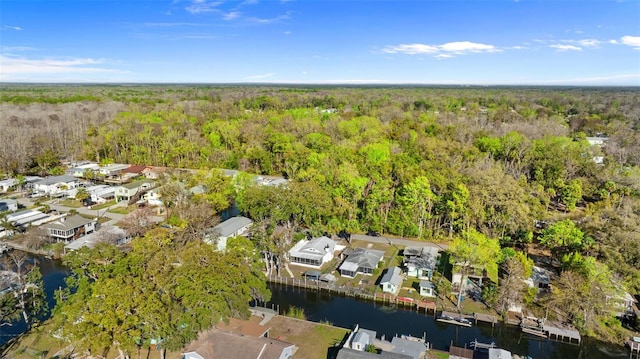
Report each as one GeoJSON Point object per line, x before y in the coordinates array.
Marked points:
{"type": "Point", "coordinates": [56, 179]}
{"type": "Point", "coordinates": [232, 225]}
{"type": "Point", "coordinates": [69, 222]}
{"type": "Point", "coordinates": [392, 276]}
{"type": "Point", "coordinates": [363, 257]}
{"type": "Point", "coordinates": [217, 344]}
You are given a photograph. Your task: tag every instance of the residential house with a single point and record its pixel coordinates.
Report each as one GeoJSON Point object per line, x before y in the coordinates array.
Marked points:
{"type": "Point", "coordinates": [112, 169]}
{"type": "Point", "coordinates": [56, 185]}
{"type": "Point", "coordinates": [153, 172]}
{"type": "Point", "coordinates": [312, 253]}
{"type": "Point", "coordinates": [427, 289]}
{"type": "Point", "coordinates": [132, 172]}
{"type": "Point", "coordinates": [110, 234]}
{"type": "Point", "coordinates": [70, 228]}
{"type": "Point", "coordinates": [392, 280]}
{"type": "Point", "coordinates": [360, 338]}
{"type": "Point", "coordinates": [131, 190]}
{"type": "Point", "coordinates": [10, 205]}
{"type": "Point", "coordinates": [217, 344]}
{"type": "Point", "coordinates": [7, 184]}
{"type": "Point", "coordinates": [540, 278]}
{"type": "Point", "coordinates": [101, 194]}
{"type": "Point", "coordinates": [232, 227]}
{"type": "Point", "coordinates": [25, 218]}
{"type": "Point", "coordinates": [361, 260]}
{"type": "Point", "coordinates": [346, 353]}
{"type": "Point", "coordinates": [414, 349]}
{"type": "Point", "coordinates": [420, 262]}
{"type": "Point", "coordinates": [152, 197]}
{"type": "Point", "coordinates": [496, 353]}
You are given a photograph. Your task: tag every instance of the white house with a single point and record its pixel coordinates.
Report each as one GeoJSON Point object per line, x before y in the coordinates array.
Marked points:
{"type": "Point", "coordinates": [112, 169]}
{"type": "Point", "coordinates": [540, 278]}
{"type": "Point", "coordinates": [7, 184]}
{"type": "Point", "coordinates": [152, 197]}
{"type": "Point", "coordinates": [359, 338]}
{"type": "Point", "coordinates": [427, 289]}
{"type": "Point", "coordinates": [67, 229]}
{"type": "Point", "coordinates": [101, 194]}
{"type": "Point", "coordinates": [392, 280]}
{"type": "Point", "coordinates": [420, 262]}
{"type": "Point", "coordinates": [10, 205]}
{"type": "Point", "coordinates": [597, 141]}
{"type": "Point", "coordinates": [313, 253]}
{"type": "Point", "coordinates": [55, 185]}
{"type": "Point", "coordinates": [232, 227]}
{"type": "Point", "coordinates": [127, 191]}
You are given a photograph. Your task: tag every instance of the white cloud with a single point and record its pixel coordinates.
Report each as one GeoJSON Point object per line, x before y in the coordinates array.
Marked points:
{"type": "Point", "coordinates": [446, 50]}
{"type": "Point", "coordinates": [232, 15]}
{"type": "Point", "coordinates": [631, 41]}
{"type": "Point", "coordinates": [287, 32]}
{"type": "Point", "coordinates": [615, 42]}
{"type": "Point", "coordinates": [588, 42]}
{"type": "Point", "coordinates": [566, 47]}
{"type": "Point", "coordinates": [259, 77]}
{"type": "Point", "coordinates": [202, 6]}
{"type": "Point", "coordinates": [12, 65]}
{"type": "Point", "coordinates": [16, 28]}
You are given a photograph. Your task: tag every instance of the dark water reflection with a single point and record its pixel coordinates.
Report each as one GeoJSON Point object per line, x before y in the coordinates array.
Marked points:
{"type": "Point", "coordinates": [388, 320]}
{"type": "Point", "coordinates": [53, 275]}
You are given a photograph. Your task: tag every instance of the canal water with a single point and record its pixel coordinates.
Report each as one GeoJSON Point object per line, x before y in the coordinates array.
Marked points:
{"type": "Point", "coordinates": [390, 320]}
{"type": "Point", "coordinates": [53, 276]}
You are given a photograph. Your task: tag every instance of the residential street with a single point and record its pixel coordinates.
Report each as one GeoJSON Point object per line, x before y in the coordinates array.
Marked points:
{"type": "Point", "coordinates": [398, 241]}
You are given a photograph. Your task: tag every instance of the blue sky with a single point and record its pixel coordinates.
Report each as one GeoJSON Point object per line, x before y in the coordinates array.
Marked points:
{"type": "Point", "coordinates": [545, 42]}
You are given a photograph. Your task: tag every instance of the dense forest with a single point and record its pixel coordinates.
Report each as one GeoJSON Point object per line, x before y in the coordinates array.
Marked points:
{"type": "Point", "coordinates": [512, 164]}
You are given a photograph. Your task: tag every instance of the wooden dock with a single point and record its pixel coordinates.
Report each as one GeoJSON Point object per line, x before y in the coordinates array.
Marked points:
{"type": "Point", "coordinates": [455, 319]}
{"type": "Point", "coordinates": [485, 318]}
{"type": "Point", "coordinates": [634, 347]}
{"type": "Point", "coordinates": [550, 330]}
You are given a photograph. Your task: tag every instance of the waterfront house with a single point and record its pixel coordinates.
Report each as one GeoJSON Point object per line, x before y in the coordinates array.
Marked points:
{"type": "Point", "coordinates": [312, 253]}
{"type": "Point", "coordinates": [359, 338]}
{"type": "Point", "coordinates": [108, 234]}
{"type": "Point", "coordinates": [420, 262]}
{"type": "Point", "coordinates": [56, 185]}
{"type": "Point", "coordinates": [133, 190]}
{"type": "Point", "coordinates": [540, 278]}
{"type": "Point", "coordinates": [427, 289]}
{"type": "Point", "coordinates": [361, 260]}
{"type": "Point", "coordinates": [8, 205]}
{"type": "Point", "coordinates": [25, 218]}
{"type": "Point", "coordinates": [232, 227]}
{"type": "Point", "coordinates": [415, 349]}
{"type": "Point", "coordinates": [391, 281]}
{"type": "Point", "coordinates": [67, 229]}
{"type": "Point", "coordinates": [496, 353]}
{"type": "Point", "coordinates": [217, 344]}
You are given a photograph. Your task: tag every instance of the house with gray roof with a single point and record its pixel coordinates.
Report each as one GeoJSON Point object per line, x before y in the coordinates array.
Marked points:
{"type": "Point", "coordinates": [391, 281]}
{"type": "Point", "coordinates": [7, 184]}
{"type": "Point", "coordinates": [67, 229]}
{"type": "Point", "coordinates": [420, 262]}
{"type": "Point", "coordinates": [54, 185]}
{"type": "Point", "coordinates": [232, 227]}
{"type": "Point", "coordinates": [412, 348]}
{"type": "Point", "coordinates": [128, 191]}
{"type": "Point", "coordinates": [427, 289]}
{"type": "Point", "coordinates": [312, 253]}
{"type": "Point", "coordinates": [217, 344]}
{"type": "Point", "coordinates": [361, 260]}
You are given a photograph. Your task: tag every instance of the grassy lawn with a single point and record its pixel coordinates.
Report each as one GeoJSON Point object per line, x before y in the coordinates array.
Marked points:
{"type": "Point", "coordinates": [104, 205]}
{"type": "Point", "coordinates": [120, 210]}
{"type": "Point", "coordinates": [313, 339]}
{"type": "Point", "coordinates": [70, 203]}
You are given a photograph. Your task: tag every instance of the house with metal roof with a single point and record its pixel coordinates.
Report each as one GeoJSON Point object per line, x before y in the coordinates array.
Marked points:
{"type": "Point", "coordinates": [312, 253]}
{"type": "Point", "coordinates": [361, 260]}
{"type": "Point", "coordinates": [69, 228]}
{"type": "Point", "coordinates": [391, 281]}
{"type": "Point", "coordinates": [8, 205]}
{"type": "Point", "coordinates": [54, 185]}
{"type": "Point", "coordinates": [232, 227]}
{"type": "Point", "coordinates": [420, 262]}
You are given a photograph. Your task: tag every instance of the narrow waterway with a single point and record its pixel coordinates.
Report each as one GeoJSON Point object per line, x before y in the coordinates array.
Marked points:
{"type": "Point", "coordinates": [53, 276]}
{"type": "Point", "coordinates": [391, 320]}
